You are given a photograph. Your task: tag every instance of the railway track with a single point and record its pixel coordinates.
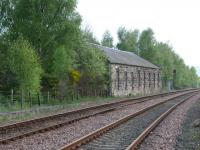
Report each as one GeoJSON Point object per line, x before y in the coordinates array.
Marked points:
{"type": "Point", "coordinates": [128, 132]}
{"type": "Point", "coordinates": [26, 128]}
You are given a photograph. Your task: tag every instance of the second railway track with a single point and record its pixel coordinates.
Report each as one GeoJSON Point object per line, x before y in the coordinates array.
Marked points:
{"type": "Point", "coordinates": [22, 129]}
{"type": "Point", "coordinates": [120, 134]}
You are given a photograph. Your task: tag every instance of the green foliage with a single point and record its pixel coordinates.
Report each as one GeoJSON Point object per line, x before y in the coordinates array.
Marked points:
{"type": "Point", "coordinates": [56, 45]}
{"type": "Point", "coordinates": [49, 82]}
{"type": "Point", "coordinates": [146, 44]}
{"type": "Point", "coordinates": [24, 64]}
{"type": "Point", "coordinates": [45, 24]}
{"type": "Point", "coordinates": [128, 40]}
{"type": "Point", "coordinates": [92, 65]}
{"type": "Point", "coordinates": [62, 61]}
{"type": "Point", "coordinates": [161, 54]}
{"type": "Point", "coordinates": [107, 39]}
{"type": "Point", "coordinates": [162, 57]}
{"type": "Point", "coordinates": [51, 27]}
{"type": "Point", "coordinates": [198, 82]}
{"type": "Point", "coordinates": [88, 35]}
{"type": "Point", "coordinates": [168, 60]}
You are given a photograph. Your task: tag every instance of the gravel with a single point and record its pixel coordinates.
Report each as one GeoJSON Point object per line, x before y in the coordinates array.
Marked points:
{"type": "Point", "coordinates": [57, 138]}
{"type": "Point", "coordinates": [36, 112]}
{"type": "Point", "coordinates": [164, 136]}
{"type": "Point", "coordinates": [121, 137]}
{"type": "Point", "coordinates": [189, 138]}
{"type": "Point", "coordinates": [10, 132]}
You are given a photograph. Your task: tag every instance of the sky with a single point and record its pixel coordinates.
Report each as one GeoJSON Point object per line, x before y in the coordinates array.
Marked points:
{"type": "Point", "coordinates": [174, 21]}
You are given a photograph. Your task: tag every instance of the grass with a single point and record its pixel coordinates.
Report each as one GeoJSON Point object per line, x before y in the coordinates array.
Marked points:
{"type": "Point", "coordinates": [10, 107]}
{"type": "Point", "coordinates": [28, 112]}
{"type": "Point", "coordinates": [16, 113]}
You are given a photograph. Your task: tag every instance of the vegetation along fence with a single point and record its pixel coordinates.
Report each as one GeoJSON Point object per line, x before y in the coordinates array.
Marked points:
{"type": "Point", "coordinates": [27, 99]}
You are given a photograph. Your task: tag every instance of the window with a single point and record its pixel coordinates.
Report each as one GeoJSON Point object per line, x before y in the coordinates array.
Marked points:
{"type": "Point", "coordinates": [132, 79]}
{"type": "Point", "coordinates": [118, 79]}
{"type": "Point", "coordinates": [144, 80]}
{"type": "Point", "coordinates": [149, 80]}
{"type": "Point", "coordinates": [125, 75]}
{"type": "Point", "coordinates": [139, 78]}
{"type": "Point", "coordinates": [154, 80]}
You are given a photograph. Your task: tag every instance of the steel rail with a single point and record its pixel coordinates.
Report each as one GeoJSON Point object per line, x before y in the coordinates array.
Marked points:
{"type": "Point", "coordinates": [153, 125]}
{"type": "Point", "coordinates": [26, 122]}
{"type": "Point", "coordinates": [52, 127]}
{"type": "Point", "coordinates": [99, 132]}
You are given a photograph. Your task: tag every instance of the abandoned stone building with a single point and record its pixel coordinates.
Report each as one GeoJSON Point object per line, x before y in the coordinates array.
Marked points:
{"type": "Point", "coordinates": [131, 74]}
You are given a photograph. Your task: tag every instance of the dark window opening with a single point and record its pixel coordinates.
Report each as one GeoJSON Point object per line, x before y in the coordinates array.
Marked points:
{"type": "Point", "coordinates": [144, 80]}
{"type": "Point", "coordinates": [118, 80]}
{"type": "Point", "coordinates": [132, 79]}
{"type": "Point", "coordinates": [158, 80]}
{"type": "Point", "coordinates": [139, 79]}
{"type": "Point", "coordinates": [149, 79]}
{"type": "Point", "coordinates": [125, 74]}
{"type": "Point", "coordinates": [154, 80]}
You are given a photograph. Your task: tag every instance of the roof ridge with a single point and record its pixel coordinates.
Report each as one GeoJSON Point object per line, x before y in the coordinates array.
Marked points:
{"type": "Point", "coordinates": [125, 57]}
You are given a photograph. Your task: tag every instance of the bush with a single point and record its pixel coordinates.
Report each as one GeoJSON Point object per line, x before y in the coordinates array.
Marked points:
{"type": "Point", "coordinates": [23, 62]}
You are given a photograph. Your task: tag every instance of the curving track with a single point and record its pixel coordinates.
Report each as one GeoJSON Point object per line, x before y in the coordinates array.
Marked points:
{"type": "Point", "coordinates": [22, 129]}
{"type": "Point", "coordinates": [133, 127]}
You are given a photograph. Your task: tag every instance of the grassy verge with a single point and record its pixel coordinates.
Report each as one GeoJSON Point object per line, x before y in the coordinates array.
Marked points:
{"type": "Point", "coordinates": [14, 113]}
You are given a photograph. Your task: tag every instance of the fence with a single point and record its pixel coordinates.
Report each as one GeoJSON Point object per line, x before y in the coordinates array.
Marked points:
{"type": "Point", "coordinates": [27, 99]}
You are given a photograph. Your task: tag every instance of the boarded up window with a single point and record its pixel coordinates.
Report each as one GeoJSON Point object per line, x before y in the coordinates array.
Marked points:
{"type": "Point", "coordinates": [132, 79]}
{"type": "Point", "coordinates": [154, 80]}
{"type": "Point", "coordinates": [158, 79]}
{"type": "Point", "coordinates": [118, 79]}
{"type": "Point", "coordinates": [144, 80]}
{"type": "Point", "coordinates": [139, 78]}
{"type": "Point", "coordinates": [126, 78]}
{"type": "Point", "coordinates": [149, 79]}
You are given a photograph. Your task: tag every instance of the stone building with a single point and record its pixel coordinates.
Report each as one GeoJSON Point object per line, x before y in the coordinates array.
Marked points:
{"type": "Point", "coordinates": [131, 74]}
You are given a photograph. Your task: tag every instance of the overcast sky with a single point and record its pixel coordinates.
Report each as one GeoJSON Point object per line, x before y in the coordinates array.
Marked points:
{"type": "Point", "coordinates": [173, 21]}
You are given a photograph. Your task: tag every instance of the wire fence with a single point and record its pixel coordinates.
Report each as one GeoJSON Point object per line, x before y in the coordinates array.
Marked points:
{"type": "Point", "coordinates": [27, 99]}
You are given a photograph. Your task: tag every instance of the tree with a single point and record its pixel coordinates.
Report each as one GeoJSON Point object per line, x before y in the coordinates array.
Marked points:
{"type": "Point", "coordinates": [164, 59]}
{"type": "Point", "coordinates": [91, 63]}
{"type": "Point", "coordinates": [24, 64]}
{"type": "Point", "coordinates": [146, 44]}
{"type": "Point", "coordinates": [51, 27]}
{"type": "Point", "coordinates": [128, 40]}
{"type": "Point", "coordinates": [168, 60]}
{"type": "Point", "coordinates": [88, 35]}
{"type": "Point", "coordinates": [107, 39]}
{"type": "Point", "coordinates": [45, 24]}
{"type": "Point", "coordinates": [62, 62]}
{"type": "Point", "coordinates": [193, 77]}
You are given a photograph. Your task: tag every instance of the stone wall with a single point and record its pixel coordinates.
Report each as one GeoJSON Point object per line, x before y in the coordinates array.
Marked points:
{"type": "Point", "coordinates": [132, 80]}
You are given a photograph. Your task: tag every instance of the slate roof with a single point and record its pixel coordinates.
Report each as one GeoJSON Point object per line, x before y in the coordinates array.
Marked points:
{"type": "Point", "coordinates": [116, 56]}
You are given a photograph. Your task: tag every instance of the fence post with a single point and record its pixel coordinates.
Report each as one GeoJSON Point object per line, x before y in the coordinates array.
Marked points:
{"type": "Point", "coordinates": [12, 100]}
{"type": "Point", "coordinates": [30, 99]}
{"type": "Point", "coordinates": [38, 99]}
{"type": "Point", "coordinates": [73, 96]}
{"type": "Point", "coordinates": [22, 99]}
{"type": "Point", "coordinates": [48, 97]}
{"type": "Point", "coordinates": [77, 94]}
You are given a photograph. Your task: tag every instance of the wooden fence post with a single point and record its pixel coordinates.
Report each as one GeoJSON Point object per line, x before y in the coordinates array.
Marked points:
{"type": "Point", "coordinates": [30, 99]}
{"type": "Point", "coordinates": [48, 95]}
{"type": "Point", "coordinates": [38, 99]}
{"type": "Point", "coordinates": [12, 100]}
{"type": "Point", "coordinates": [22, 99]}
{"type": "Point", "coordinates": [77, 94]}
